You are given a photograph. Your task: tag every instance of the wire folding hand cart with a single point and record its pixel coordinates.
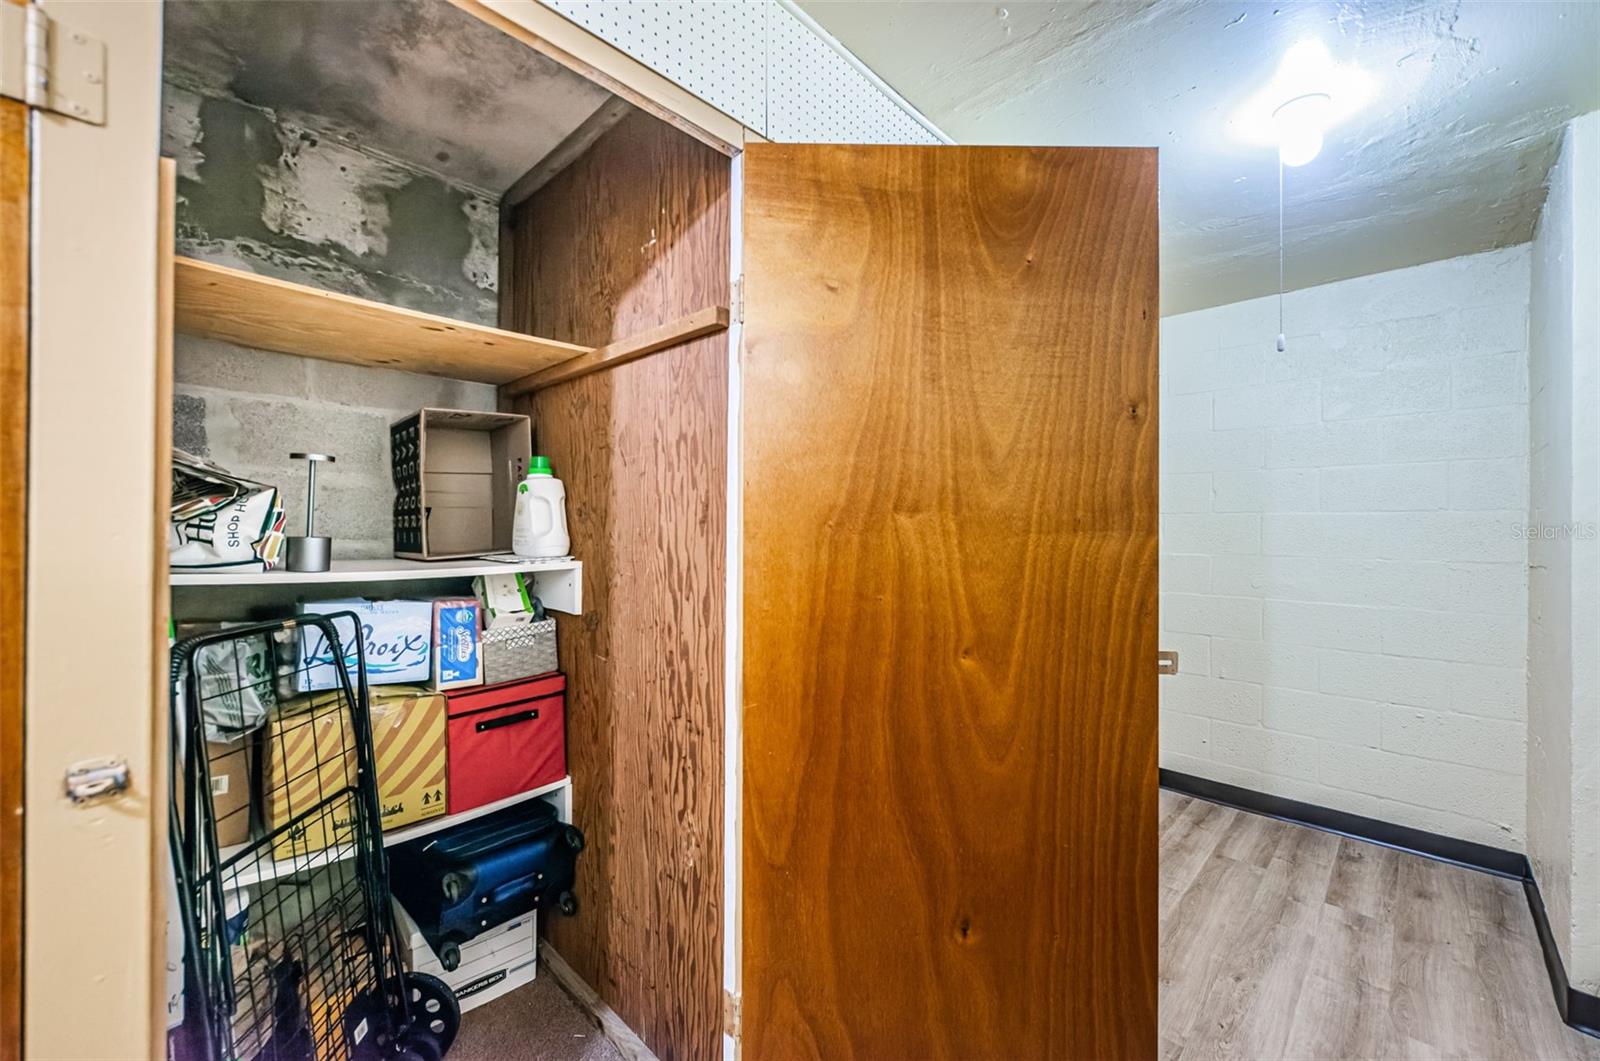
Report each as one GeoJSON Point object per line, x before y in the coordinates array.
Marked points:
{"type": "Point", "coordinates": [289, 936]}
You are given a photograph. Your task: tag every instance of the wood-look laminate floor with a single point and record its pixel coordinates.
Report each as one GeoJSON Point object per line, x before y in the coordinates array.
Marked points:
{"type": "Point", "coordinates": [1280, 941]}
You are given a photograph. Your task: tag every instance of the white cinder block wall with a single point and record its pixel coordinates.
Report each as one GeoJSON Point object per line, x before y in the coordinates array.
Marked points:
{"type": "Point", "coordinates": [1564, 556]}
{"type": "Point", "coordinates": [1343, 570]}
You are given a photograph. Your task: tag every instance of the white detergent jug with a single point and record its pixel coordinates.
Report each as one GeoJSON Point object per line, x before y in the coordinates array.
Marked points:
{"type": "Point", "coordinates": [539, 528]}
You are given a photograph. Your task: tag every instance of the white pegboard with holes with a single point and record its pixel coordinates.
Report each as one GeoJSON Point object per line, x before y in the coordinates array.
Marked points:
{"type": "Point", "coordinates": [816, 95]}
{"type": "Point", "coordinates": [756, 61]}
{"type": "Point", "coordinates": [716, 49]}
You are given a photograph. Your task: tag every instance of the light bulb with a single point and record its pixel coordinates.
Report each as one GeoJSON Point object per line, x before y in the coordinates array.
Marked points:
{"type": "Point", "coordinates": [1300, 123]}
{"type": "Point", "coordinates": [1300, 146]}
{"type": "Point", "coordinates": [1308, 88]}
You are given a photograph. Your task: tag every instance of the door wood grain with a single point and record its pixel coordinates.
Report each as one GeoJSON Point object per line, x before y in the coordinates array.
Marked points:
{"type": "Point", "coordinates": [950, 539]}
{"type": "Point", "coordinates": [13, 551]}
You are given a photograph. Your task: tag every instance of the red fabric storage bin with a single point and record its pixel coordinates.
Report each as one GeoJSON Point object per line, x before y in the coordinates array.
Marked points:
{"type": "Point", "coordinates": [505, 739]}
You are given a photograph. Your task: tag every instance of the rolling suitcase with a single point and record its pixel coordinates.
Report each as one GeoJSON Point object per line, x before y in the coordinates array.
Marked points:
{"type": "Point", "coordinates": [459, 883]}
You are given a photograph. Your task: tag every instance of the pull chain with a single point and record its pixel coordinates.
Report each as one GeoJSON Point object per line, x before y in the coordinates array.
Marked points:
{"type": "Point", "coordinates": [1282, 345]}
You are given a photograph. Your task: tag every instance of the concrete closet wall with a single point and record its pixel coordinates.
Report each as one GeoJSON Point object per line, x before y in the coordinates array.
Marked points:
{"type": "Point", "coordinates": [1564, 556]}
{"type": "Point", "coordinates": [1342, 566]}
{"type": "Point", "coordinates": [278, 195]}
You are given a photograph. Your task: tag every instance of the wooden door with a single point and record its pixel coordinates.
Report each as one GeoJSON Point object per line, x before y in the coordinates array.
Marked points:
{"type": "Point", "coordinates": [13, 546]}
{"type": "Point", "coordinates": [950, 535]}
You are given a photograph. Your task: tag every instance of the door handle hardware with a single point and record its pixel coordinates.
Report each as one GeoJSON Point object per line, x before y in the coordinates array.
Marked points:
{"type": "Point", "coordinates": [96, 778]}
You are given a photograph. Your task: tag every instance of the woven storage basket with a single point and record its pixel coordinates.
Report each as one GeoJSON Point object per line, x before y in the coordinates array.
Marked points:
{"type": "Point", "coordinates": [519, 651]}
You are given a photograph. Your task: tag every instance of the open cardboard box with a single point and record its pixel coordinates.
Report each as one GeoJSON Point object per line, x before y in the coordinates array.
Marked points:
{"type": "Point", "coordinates": [456, 474]}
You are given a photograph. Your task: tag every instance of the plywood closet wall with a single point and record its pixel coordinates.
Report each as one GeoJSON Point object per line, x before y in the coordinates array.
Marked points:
{"type": "Point", "coordinates": [632, 235]}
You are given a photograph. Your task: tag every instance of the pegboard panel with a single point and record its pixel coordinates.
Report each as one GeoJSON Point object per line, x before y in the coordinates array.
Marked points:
{"type": "Point", "coordinates": [716, 49]}
{"type": "Point", "coordinates": [756, 61]}
{"type": "Point", "coordinates": [815, 95]}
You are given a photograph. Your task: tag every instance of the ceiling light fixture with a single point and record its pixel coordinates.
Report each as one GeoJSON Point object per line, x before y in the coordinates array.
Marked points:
{"type": "Point", "coordinates": [1306, 96]}
{"type": "Point", "coordinates": [1300, 123]}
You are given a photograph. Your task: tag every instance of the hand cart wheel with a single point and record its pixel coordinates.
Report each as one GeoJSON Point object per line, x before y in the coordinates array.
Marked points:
{"type": "Point", "coordinates": [435, 1014]}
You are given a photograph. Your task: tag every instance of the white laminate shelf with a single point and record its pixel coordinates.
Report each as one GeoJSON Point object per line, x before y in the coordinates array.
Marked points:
{"type": "Point", "coordinates": [558, 793]}
{"type": "Point", "coordinates": [559, 582]}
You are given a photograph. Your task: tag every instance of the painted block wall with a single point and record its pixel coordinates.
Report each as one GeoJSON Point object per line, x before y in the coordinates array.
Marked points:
{"type": "Point", "coordinates": [275, 195]}
{"type": "Point", "coordinates": [1564, 555]}
{"type": "Point", "coordinates": [249, 409]}
{"type": "Point", "coordinates": [1342, 562]}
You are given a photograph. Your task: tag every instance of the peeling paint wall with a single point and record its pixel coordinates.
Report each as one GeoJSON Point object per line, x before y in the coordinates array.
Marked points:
{"type": "Point", "coordinates": [272, 193]}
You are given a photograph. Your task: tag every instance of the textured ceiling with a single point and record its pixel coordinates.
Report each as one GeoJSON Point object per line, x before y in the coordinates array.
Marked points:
{"type": "Point", "coordinates": [417, 79]}
{"type": "Point", "coordinates": [1450, 157]}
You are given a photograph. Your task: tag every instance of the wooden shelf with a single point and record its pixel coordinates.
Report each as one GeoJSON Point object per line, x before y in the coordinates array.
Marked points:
{"type": "Point", "coordinates": [268, 869]}
{"type": "Point", "coordinates": [559, 582]}
{"type": "Point", "coordinates": [218, 302]}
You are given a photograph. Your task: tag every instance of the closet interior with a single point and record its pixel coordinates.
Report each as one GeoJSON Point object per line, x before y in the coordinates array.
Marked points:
{"type": "Point", "coordinates": [423, 207]}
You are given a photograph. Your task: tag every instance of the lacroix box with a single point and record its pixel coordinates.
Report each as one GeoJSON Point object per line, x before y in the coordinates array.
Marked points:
{"type": "Point", "coordinates": [310, 756]}
{"type": "Point", "coordinates": [396, 634]}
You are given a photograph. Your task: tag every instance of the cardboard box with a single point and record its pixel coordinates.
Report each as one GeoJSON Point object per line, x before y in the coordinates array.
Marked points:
{"type": "Point", "coordinates": [455, 476]}
{"type": "Point", "coordinates": [398, 635]}
{"type": "Point", "coordinates": [408, 742]}
{"type": "Point", "coordinates": [310, 755]}
{"type": "Point", "coordinates": [456, 658]}
{"type": "Point", "coordinates": [501, 959]}
{"type": "Point", "coordinates": [230, 765]}
{"type": "Point", "coordinates": [507, 599]}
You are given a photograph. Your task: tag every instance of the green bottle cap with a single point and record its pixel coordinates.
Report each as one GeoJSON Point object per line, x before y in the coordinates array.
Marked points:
{"type": "Point", "coordinates": [539, 466]}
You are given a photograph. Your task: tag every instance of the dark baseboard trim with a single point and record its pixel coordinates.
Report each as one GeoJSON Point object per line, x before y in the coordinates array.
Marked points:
{"type": "Point", "coordinates": [1579, 1010]}
{"type": "Point", "coordinates": [1482, 857]}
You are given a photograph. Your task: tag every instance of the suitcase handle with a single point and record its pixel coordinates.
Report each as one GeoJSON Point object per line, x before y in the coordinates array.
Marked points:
{"type": "Point", "coordinates": [508, 720]}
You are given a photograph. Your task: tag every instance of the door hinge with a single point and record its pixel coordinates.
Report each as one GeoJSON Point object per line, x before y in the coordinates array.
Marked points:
{"type": "Point", "coordinates": [738, 298]}
{"type": "Point", "coordinates": [51, 67]}
{"type": "Point", "coordinates": [730, 1014]}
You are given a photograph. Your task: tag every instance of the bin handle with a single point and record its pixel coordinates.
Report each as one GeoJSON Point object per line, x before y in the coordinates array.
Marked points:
{"type": "Point", "coordinates": [507, 720]}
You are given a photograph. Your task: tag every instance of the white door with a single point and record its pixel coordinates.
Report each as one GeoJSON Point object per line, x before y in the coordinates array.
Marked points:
{"type": "Point", "coordinates": [93, 934]}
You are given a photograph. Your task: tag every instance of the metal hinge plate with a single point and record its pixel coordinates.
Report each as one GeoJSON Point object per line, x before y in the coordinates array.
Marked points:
{"type": "Point", "coordinates": [730, 1014]}
{"type": "Point", "coordinates": [738, 298]}
{"type": "Point", "coordinates": [51, 67]}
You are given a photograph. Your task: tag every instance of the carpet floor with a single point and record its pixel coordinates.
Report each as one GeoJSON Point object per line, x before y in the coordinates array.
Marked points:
{"type": "Point", "coordinates": [539, 1021]}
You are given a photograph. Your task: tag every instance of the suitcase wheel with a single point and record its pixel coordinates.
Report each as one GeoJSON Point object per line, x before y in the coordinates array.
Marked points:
{"type": "Point", "coordinates": [455, 885]}
{"type": "Point", "coordinates": [568, 903]}
{"type": "Point", "coordinates": [574, 837]}
{"type": "Point", "coordinates": [450, 957]}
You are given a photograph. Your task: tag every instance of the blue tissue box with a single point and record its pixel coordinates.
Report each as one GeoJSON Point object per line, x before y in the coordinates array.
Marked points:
{"type": "Point", "coordinates": [456, 662]}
